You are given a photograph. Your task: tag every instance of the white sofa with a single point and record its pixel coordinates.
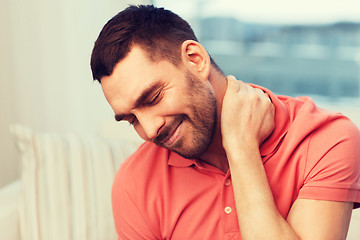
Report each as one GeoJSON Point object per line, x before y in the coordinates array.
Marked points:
{"type": "Point", "coordinates": [64, 190]}
{"type": "Point", "coordinates": [65, 185]}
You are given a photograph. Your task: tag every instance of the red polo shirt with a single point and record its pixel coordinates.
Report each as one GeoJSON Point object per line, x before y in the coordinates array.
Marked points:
{"type": "Point", "coordinates": [312, 154]}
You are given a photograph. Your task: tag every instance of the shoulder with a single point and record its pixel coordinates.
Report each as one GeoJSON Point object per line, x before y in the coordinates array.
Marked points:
{"type": "Point", "coordinates": [333, 153]}
{"type": "Point", "coordinates": [332, 168]}
{"type": "Point", "coordinates": [337, 137]}
{"type": "Point", "coordinates": [307, 120]}
{"type": "Point", "coordinates": [144, 162]}
{"type": "Point", "coordinates": [327, 133]}
{"type": "Point", "coordinates": [134, 191]}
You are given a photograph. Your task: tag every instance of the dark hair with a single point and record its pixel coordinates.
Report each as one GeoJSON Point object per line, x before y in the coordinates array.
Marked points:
{"type": "Point", "coordinates": [158, 31]}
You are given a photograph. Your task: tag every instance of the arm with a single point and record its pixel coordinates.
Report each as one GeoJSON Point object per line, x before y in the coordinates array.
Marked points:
{"type": "Point", "coordinates": [334, 219]}
{"type": "Point", "coordinates": [332, 171]}
{"type": "Point", "coordinates": [243, 131]}
{"type": "Point", "coordinates": [128, 218]}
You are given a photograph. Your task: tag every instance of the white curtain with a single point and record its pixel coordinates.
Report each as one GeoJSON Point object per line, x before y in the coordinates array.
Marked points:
{"type": "Point", "coordinates": [46, 83]}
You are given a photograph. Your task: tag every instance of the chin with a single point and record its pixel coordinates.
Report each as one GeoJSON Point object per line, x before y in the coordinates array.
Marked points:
{"type": "Point", "coordinates": [195, 152]}
{"type": "Point", "coordinates": [187, 155]}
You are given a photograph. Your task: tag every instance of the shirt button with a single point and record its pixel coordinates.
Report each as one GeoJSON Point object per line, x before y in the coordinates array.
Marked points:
{"type": "Point", "coordinates": [227, 182]}
{"type": "Point", "coordinates": [228, 210]}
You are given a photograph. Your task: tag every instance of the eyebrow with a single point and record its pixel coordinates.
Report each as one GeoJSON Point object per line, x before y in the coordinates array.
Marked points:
{"type": "Point", "coordinates": [143, 96]}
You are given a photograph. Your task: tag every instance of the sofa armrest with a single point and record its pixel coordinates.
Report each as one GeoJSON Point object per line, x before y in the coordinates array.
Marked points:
{"type": "Point", "coordinates": [354, 230]}
{"type": "Point", "coordinates": [9, 216]}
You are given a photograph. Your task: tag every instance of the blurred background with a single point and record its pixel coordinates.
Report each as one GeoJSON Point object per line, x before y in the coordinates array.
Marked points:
{"type": "Point", "coordinates": [291, 47]}
{"type": "Point", "coordinates": [309, 47]}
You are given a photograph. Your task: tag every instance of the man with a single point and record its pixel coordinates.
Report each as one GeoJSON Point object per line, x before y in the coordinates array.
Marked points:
{"type": "Point", "coordinates": [223, 159]}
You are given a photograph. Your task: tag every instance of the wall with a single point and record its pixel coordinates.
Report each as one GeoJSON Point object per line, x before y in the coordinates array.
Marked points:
{"type": "Point", "coordinates": [8, 162]}
{"type": "Point", "coordinates": [46, 80]}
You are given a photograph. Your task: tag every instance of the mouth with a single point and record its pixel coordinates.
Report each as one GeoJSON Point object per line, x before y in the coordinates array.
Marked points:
{"type": "Point", "coordinates": [172, 137]}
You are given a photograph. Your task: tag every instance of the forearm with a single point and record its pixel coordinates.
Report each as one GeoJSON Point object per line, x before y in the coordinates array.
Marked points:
{"type": "Point", "coordinates": [257, 213]}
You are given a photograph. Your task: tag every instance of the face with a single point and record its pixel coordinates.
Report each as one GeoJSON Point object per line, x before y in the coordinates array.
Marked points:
{"type": "Point", "coordinates": [166, 105]}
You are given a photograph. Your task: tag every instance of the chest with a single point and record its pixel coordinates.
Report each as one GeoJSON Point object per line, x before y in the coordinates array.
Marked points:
{"type": "Point", "coordinates": [193, 203]}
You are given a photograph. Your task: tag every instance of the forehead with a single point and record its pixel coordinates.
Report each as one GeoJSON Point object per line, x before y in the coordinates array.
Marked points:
{"type": "Point", "coordinates": [131, 76]}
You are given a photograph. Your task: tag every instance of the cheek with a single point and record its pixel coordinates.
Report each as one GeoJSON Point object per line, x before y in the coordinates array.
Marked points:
{"type": "Point", "coordinates": [174, 104]}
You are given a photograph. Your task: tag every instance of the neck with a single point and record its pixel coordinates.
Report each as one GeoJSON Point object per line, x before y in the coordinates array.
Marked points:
{"type": "Point", "coordinates": [215, 155]}
{"type": "Point", "coordinates": [216, 158]}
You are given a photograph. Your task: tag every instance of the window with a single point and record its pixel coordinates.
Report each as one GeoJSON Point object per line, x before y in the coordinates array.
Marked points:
{"type": "Point", "coordinates": [292, 48]}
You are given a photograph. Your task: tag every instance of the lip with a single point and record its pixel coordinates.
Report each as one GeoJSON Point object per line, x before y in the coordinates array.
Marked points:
{"type": "Point", "coordinates": [173, 136]}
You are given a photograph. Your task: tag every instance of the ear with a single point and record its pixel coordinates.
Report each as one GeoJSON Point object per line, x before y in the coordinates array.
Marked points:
{"type": "Point", "coordinates": [196, 58]}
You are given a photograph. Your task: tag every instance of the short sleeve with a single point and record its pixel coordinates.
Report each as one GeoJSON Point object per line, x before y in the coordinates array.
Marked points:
{"type": "Point", "coordinates": [129, 220]}
{"type": "Point", "coordinates": [332, 170]}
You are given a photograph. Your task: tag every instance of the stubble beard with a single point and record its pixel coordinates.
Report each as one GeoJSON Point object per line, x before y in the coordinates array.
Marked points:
{"type": "Point", "coordinates": [202, 123]}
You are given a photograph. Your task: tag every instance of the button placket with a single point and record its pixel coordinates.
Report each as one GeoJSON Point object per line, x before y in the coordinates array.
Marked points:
{"type": "Point", "coordinates": [227, 209]}
{"type": "Point", "coordinates": [229, 216]}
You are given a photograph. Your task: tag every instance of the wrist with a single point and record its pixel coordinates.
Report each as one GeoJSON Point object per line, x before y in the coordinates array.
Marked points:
{"type": "Point", "coordinates": [242, 150]}
{"type": "Point", "coordinates": [240, 143]}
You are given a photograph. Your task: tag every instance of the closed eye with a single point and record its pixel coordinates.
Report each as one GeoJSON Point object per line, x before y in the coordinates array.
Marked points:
{"type": "Point", "coordinates": [155, 99]}
{"type": "Point", "coordinates": [150, 96]}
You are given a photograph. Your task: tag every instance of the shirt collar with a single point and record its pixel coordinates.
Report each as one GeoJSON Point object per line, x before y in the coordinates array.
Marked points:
{"type": "Point", "coordinates": [282, 118]}
{"type": "Point", "coordinates": [177, 161]}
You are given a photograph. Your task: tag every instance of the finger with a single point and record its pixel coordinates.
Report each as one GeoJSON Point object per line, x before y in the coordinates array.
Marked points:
{"type": "Point", "coordinates": [233, 84]}
{"type": "Point", "coordinates": [246, 88]}
{"type": "Point", "coordinates": [233, 78]}
{"type": "Point", "coordinates": [262, 94]}
{"type": "Point", "coordinates": [249, 88]}
{"type": "Point", "coordinates": [267, 96]}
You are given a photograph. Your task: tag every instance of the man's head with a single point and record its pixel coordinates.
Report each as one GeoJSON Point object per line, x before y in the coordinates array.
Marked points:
{"type": "Point", "coordinates": [155, 75]}
{"type": "Point", "coordinates": [173, 107]}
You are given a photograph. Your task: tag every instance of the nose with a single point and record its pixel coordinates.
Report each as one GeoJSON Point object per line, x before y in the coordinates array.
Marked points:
{"type": "Point", "coordinates": [149, 124]}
